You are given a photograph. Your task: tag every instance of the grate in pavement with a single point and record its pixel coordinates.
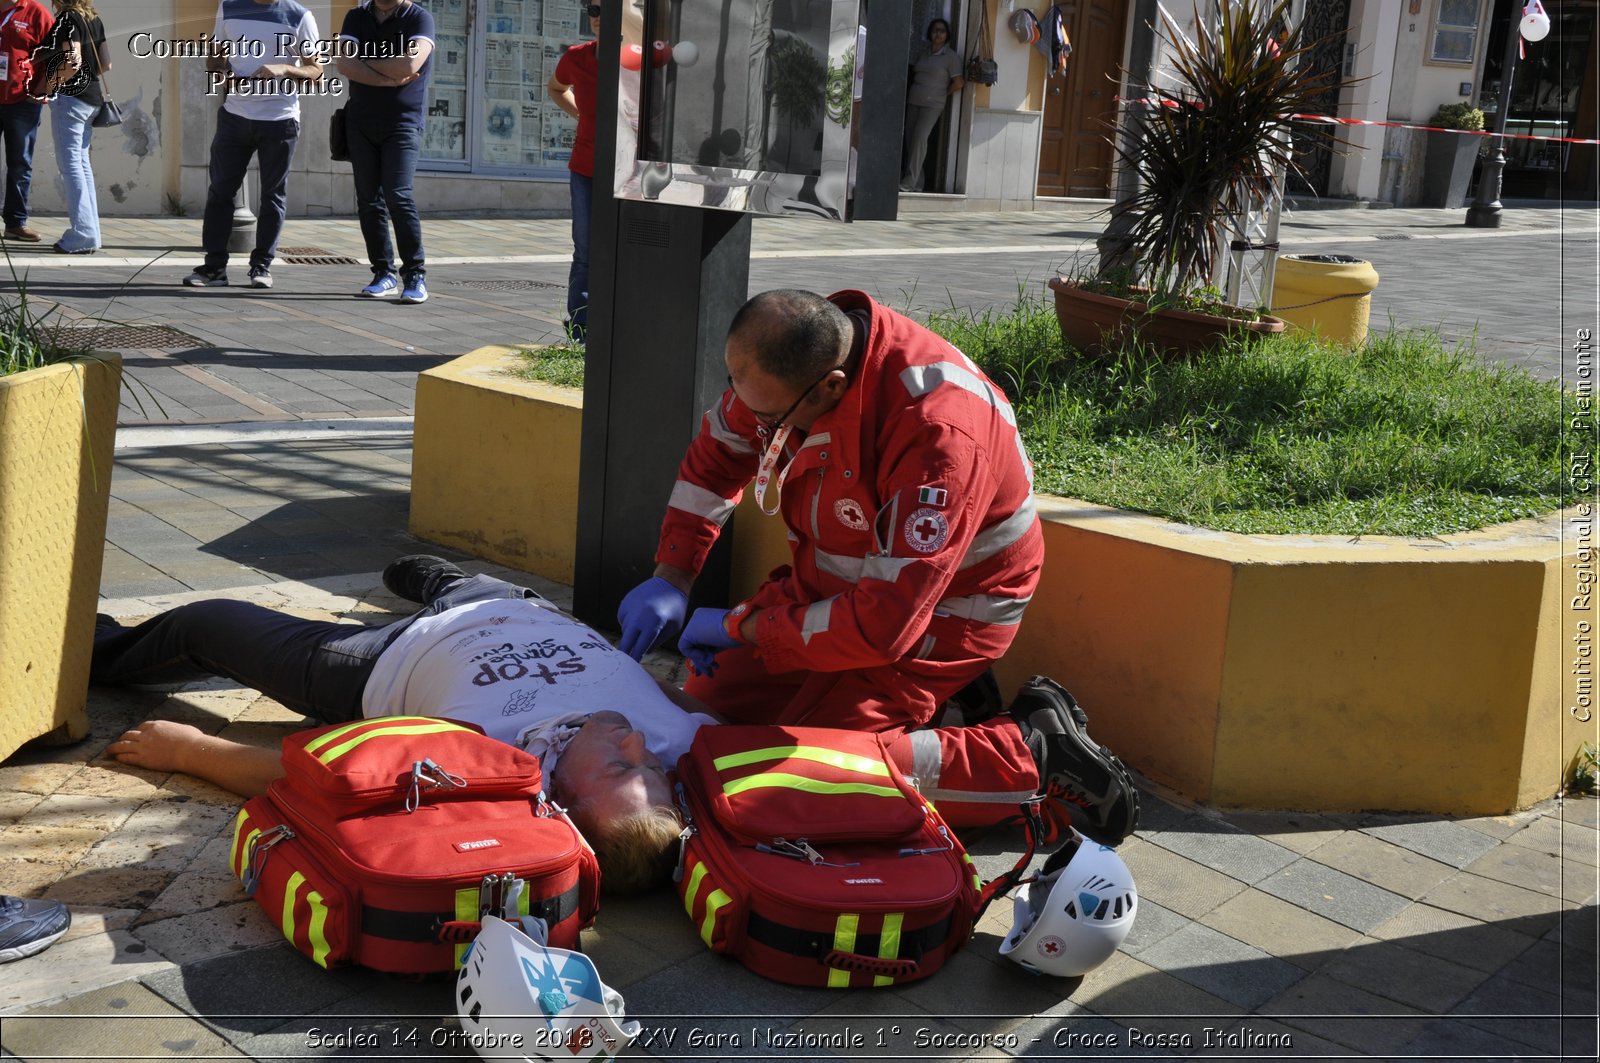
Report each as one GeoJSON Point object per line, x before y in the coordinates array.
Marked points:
{"type": "Point", "coordinates": [314, 256]}
{"type": "Point", "coordinates": [1392, 236]}
{"type": "Point", "coordinates": [124, 337]}
{"type": "Point", "coordinates": [508, 286]}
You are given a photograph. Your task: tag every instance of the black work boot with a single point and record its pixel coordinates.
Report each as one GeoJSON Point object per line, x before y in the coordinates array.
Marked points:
{"type": "Point", "coordinates": [1086, 786]}
{"type": "Point", "coordinates": [421, 578]}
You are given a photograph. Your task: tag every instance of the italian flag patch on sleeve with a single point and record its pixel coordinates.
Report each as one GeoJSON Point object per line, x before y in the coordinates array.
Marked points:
{"type": "Point", "coordinates": [932, 496]}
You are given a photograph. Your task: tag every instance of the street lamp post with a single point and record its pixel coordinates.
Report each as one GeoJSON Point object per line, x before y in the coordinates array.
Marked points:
{"type": "Point", "coordinates": [1484, 213]}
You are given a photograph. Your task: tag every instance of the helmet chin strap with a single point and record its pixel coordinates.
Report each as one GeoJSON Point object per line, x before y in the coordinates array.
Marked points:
{"type": "Point", "coordinates": [1032, 828]}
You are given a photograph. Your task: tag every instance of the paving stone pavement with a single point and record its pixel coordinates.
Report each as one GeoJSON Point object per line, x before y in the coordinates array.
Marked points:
{"type": "Point", "coordinates": [271, 463]}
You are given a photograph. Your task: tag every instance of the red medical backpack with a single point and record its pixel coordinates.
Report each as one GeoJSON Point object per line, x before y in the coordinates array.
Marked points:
{"type": "Point", "coordinates": [386, 839]}
{"type": "Point", "coordinates": [811, 859]}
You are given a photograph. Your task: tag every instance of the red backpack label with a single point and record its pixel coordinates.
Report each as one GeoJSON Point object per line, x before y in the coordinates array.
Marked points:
{"type": "Point", "coordinates": [386, 840]}
{"type": "Point", "coordinates": [812, 860]}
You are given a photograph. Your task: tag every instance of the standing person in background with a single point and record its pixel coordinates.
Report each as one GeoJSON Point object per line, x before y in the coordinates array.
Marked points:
{"type": "Point", "coordinates": [936, 76]}
{"type": "Point", "coordinates": [271, 49]}
{"type": "Point", "coordinates": [384, 122]}
{"type": "Point", "coordinates": [575, 87]}
{"type": "Point", "coordinates": [23, 27]}
{"type": "Point", "coordinates": [71, 123]}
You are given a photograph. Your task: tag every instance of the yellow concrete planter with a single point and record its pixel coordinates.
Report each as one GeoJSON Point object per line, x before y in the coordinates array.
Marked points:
{"type": "Point", "coordinates": [1315, 672]}
{"type": "Point", "coordinates": [1330, 295]}
{"type": "Point", "coordinates": [1246, 671]}
{"type": "Point", "coordinates": [494, 464]}
{"type": "Point", "coordinates": [57, 426]}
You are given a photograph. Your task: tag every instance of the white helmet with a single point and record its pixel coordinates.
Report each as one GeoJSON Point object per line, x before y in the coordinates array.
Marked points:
{"type": "Point", "coordinates": [515, 994]}
{"type": "Point", "coordinates": [1070, 919]}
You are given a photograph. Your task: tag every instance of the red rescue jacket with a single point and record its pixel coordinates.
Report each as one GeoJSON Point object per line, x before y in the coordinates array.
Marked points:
{"type": "Point", "coordinates": [909, 507]}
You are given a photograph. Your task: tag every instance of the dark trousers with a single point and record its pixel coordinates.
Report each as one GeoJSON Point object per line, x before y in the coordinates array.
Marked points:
{"type": "Point", "coordinates": [19, 126]}
{"type": "Point", "coordinates": [384, 160]}
{"type": "Point", "coordinates": [237, 139]}
{"type": "Point", "coordinates": [316, 667]}
{"type": "Point", "coordinates": [578, 275]}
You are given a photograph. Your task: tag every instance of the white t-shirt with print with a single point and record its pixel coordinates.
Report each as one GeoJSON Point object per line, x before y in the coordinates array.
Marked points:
{"type": "Point", "coordinates": [511, 666]}
{"type": "Point", "coordinates": [278, 32]}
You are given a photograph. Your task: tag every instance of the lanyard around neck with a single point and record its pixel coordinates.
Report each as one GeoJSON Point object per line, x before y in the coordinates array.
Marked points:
{"type": "Point", "coordinates": [764, 476]}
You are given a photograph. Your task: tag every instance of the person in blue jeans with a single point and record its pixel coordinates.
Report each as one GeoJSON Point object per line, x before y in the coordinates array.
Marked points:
{"type": "Point", "coordinates": [388, 75]}
{"type": "Point", "coordinates": [575, 87]}
{"type": "Point", "coordinates": [265, 51]}
{"type": "Point", "coordinates": [71, 122]}
{"type": "Point", "coordinates": [24, 24]}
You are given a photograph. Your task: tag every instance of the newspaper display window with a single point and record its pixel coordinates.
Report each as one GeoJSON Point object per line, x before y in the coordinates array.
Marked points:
{"type": "Point", "coordinates": [488, 111]}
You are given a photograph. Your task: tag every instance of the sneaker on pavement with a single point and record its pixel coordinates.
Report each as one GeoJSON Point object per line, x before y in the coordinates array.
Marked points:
{"type": "Point", "coordinates": [415, 291]}
{"type": "Point", "coordinates": [30, 926]}
{"type": "Point", "coordinates": [207, 278]}
{"type": "Point", "coordinates": [420, 578]}
{"type": "Point", "coordinates": [1084, 784]}
{"type": "Point", "coordinates": [381, 287]}
{"type": "Point", "coordinates": [260, 277]}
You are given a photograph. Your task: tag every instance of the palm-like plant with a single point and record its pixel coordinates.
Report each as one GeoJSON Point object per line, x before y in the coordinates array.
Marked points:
{"type": "Point", "coordinates": [1212, 146]}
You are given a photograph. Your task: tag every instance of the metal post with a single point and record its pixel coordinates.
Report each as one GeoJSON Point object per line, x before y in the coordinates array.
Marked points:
{"type": "Point", "coordinates": [242, 238]}
{"type": "Point", "coordinates": [1484, 213]}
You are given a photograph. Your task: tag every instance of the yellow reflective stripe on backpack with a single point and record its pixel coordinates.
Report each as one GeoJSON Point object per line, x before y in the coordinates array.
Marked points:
{"type": "Point", "coordinates": [844, 940]}
{"type": "Point", "coordinates": [814, 786]}
{"type": "Point", "coordinates": [316, 928]}
{"type": "Point", "coordinates": [467, 912]}
{"type": "Point", "coordinates": [334, 753]}
{"type": "Point", "coordinates": [820, 754]}
{"type": "Point", "coordinates": [889, 944]}
{"type": "Point", "coordinates": [715, 902]}
{"type": "Point", "coordinates": [242, 845]}
{"type": "Point", "coordinates": [977, 879]}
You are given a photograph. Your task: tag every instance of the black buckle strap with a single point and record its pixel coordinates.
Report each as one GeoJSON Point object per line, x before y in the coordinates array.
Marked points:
{"type": "Point", "coordinates": [818, 943]}
{"type": "Point", "coordinates": [424, 926]}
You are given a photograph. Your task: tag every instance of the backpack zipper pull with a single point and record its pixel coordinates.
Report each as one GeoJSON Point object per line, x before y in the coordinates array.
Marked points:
{"type": "Point", "coordinates": [441, 778]}
{"type": "Point", "coordinates": [257, 857]}
{"type": "Point", "coordinates": [683, 846]}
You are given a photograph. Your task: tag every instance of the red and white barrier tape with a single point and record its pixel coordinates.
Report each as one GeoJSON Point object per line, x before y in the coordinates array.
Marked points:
{"type": "Point", "coordinates": [1330, 120]}
{"type": "Point", "coordinates": [1436, 129]}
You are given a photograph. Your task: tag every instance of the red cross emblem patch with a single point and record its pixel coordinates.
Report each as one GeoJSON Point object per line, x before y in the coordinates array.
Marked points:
{"type": "Point", "coordinates": [850, 514]}
{"type": "Point", "coordinates": [926, 530]}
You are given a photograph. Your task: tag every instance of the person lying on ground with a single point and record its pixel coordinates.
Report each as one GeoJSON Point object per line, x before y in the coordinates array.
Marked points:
{"type": "Point", "coordinates": [481, 650]}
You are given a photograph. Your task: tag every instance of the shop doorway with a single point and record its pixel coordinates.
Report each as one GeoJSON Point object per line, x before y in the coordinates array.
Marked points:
{"type": "Point", "coordinates": [1080, 109]}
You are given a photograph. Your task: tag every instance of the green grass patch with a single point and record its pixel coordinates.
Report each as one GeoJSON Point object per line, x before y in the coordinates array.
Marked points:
{"type": "Point", "coordinates": [1405, 437]}
{"type": "Point", "coordinates": [1286, 435]}
{"type": "Point", "coordinates": [560, 364]}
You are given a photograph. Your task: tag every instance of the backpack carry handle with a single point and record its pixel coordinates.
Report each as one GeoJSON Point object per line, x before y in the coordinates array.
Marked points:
{"type": "Point", "coordinates": [856, 963]}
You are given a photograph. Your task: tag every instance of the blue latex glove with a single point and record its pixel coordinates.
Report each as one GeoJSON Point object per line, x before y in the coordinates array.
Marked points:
{"type": "Point", "coordinates": [704, 638]}
{"type": "Point", "coordinates": [651, 612]}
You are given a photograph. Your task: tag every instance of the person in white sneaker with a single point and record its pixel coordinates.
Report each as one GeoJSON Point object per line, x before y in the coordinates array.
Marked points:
{"type": "Point", "coordinates": [265, 51]}
{"type": "Point", "coordinates": [30, 926]}
{"type": "Point", "coordinates": [388, 64]}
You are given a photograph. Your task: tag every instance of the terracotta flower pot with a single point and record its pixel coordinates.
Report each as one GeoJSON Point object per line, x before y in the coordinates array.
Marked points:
{"type": "Point", "coordinates": [1100, 324]}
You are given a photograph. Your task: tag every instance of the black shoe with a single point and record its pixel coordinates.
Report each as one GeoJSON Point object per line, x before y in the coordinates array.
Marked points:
{"type": "Point", "coordinates": [1084, 784]}
{"type": "Point", "coordinates": [974, 703]}
{"type": "Point", "coordinates": [27, 927]}
{"type": "Point", "coordinates": [420, 578]}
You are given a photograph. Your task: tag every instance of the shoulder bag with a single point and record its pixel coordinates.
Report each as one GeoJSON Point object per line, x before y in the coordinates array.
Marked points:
{"type": "Point", "coordinates": [338, 138]}
{"type": "Point", "coordinates": [981, 67]}
{"type": "Point", "coordinates": [109, 113]}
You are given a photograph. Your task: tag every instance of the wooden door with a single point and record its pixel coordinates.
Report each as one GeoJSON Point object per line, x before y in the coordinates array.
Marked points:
{"type": "Point", "coordinates": [1075, 156]}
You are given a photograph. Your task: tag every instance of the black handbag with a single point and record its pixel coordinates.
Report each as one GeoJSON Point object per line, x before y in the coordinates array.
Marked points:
{"type": "Point", "coordinates": [338, 139]}
{"type": "Point", "coordinates": [981, 67]}
{"type": "Point", "coordinates": [109, 113]}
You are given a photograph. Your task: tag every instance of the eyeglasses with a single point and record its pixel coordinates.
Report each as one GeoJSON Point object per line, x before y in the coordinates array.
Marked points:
{"type": "Point", "coordinates": [594, 10]}
{"type": "Point", "coordinates": [771, 427]}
